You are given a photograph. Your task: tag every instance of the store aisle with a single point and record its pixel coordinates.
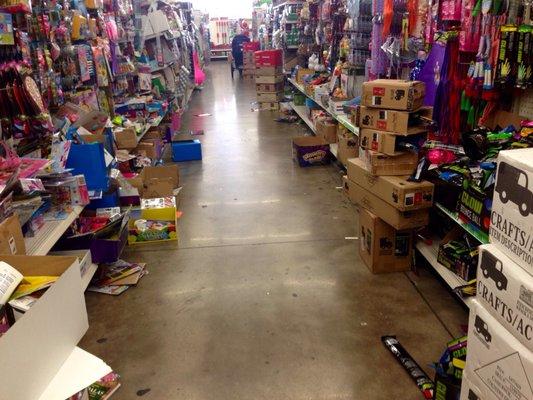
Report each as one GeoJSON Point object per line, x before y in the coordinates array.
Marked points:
{"type": "Point", "coordinates": [265, 298]}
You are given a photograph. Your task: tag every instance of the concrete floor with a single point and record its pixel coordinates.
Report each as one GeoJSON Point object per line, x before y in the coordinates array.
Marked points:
{"type": "Point", "coordinates": [264, 297]}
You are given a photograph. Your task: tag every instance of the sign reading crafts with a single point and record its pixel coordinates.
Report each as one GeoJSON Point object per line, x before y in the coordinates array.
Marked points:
{"type": "Point", "coordinates": [512, 209]}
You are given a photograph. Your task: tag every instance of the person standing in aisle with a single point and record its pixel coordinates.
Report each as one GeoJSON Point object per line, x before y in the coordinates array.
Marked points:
{"type": "Point", "coordinates": [236, 50]}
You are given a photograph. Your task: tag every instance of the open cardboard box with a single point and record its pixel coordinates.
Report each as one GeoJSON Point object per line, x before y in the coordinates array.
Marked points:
{"type": "Point", "coordinates": [160, 209]}
{"type": "Point", "coordinates": [156, 182]}
{"type": "Point", "coordinates": [42, 344]}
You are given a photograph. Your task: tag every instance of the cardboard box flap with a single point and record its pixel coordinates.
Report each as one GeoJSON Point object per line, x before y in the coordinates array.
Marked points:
{"type": "Point", "coordinates": [167, 171]}
{"type": "Point", "coordinates": [80, 370]}
{"type": "Point", "coordinates": [44, 338]}
{"type": "Point", "coordinates": [11, 238]}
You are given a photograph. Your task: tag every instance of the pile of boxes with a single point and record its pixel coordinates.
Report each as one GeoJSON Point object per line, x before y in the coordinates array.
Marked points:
{"type": "Point", "coordinates": [249, 60]}
{"type": "Point", "coordinates": [269, 78]}
{"type": "Point", "coordinates": [391, 206]}
{"type": "Point", "coordinates": [499, 362]}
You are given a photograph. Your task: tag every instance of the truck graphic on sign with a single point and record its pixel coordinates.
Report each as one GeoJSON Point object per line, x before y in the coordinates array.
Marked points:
{"type": "Point", "coordinates": [509, 188]}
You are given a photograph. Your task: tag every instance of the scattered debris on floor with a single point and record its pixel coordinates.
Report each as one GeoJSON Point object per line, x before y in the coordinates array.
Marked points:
{"type": "Point", "coordinates": [417, 374]}
{"type": "Point", "coordinates": [114, 279]}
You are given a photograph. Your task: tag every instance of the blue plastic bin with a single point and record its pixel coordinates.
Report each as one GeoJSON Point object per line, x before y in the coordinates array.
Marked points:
{"type": "Point", "coordinates": [187, 150]}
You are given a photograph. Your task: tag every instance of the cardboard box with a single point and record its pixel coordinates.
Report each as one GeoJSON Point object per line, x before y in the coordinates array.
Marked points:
{"type": "Point", "coordinates": [511, 227]}
{"type": "Point", "coordinates": [11, 238]}
{"type": "Point", "coordinates": [105, 246]}
{"type": "Point", "coordinates": [500, 362]}
{"type": "Point", "coordinates": [270, 97]}
{"type": "Point", "coordinates": [326, 130]}
{"type": "Point", "coordinates": [46, 335]}
{"type": "Point", "coordinates": [301, 73]}
{"type": "Point", "coordinates": [154, 133]}
{"type": "Point", "coordinates": [160, 181]}
{"type": "Point", "coordinates": [473, 389]}
{"type": "Point", "coordinates": [268, 106]}
{"type": "Point", "coordinates": [378, 141]}
{"type": "Point", "coordinates": [399, 122]}
{"type": "Point", "coordinates": [348, 148]}
{"type": "Point", "coordinates": [269, 71]}
{"type": "Point", "coordinates": [269, 58]}
{"type": "Point", "coordinates": [152, 148]}
{"type": "Point", "coordinates": [395, 190]}
{"type": "Point", "coordinates": [393, 94]}
{"type": "Point", "coordinates": [126, 138]}
{"type": "Point", "coordinates": [506, 291]}
{"type": "Point", "coordinates": [310, 150]}
{"type": "Point", "coordinates": [400, 220]}
{"type": "Point", "coordinates": [382, 248]}
{"type": "Point", "coordinates": [162, 210]}
{"type": "Point", "coordinates": [386, 142]}
{"type": "Point", "coordinates": [269, 87]}
{"type": "Point", "coordinates": [402, 163]}
{"type": "Point", "coordinates": [268, 79]}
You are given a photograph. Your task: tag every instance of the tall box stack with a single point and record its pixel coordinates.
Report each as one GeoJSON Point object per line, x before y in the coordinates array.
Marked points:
{"type": "Point", "coordinates": [391, 206]}
{"type": "Point", "coordinates": [249, 59]}
{"type": "Point", "coordinates": [499, 362]}
{"type": "Point", "coordinates": [269, 78]}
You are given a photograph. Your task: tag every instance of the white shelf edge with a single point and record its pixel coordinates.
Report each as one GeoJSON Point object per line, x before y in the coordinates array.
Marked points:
{"type": "Point", "coordinates": [334, 149]}
{"type": "Point", "coordinates": [50, 233]}
{"type": "Point", "coordinates": [452, 280]}
{"type": "Point", "coordinates": [88, 276]}
{"type": "Point", "coordinates": [302, 113]}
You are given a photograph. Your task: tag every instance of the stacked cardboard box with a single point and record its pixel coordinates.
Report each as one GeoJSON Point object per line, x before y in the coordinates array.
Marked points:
{"type": "Point", "coordinates": [269, 78]}
{"type": "Point", "coordinates": [499, 362]}
{"type": "Point", "coordinates": [248, 65]}
{"type": "Point", "coordinates": [391, 206]}
{"type": "Point", "coordinates": [249, 60]}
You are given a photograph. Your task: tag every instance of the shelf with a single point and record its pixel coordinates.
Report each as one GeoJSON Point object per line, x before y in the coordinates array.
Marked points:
{"type": "Point", "coordinates": [302, 113]}
{"type": "Point", "coordinates": [160, 68]}
{"type": "Point", "coordinates": [430, 253]}
{"type": "Point", "coordinates": [334, 148]}
{"type": "Point", "coordinates": [49, 234]}
{"type": "Point", "coordinates": [154, 124]}
{"type": "Point", "coordinates": [477, 233]}
{"type": "Point", "coordinates": [86, 278]}
{"type": "Point", "coordinates": [342, 119]}
{"type": "Point", "coordinates": [289, 3]}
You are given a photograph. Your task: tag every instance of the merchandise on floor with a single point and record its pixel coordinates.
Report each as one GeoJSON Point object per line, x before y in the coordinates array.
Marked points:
{"type": "Point", "coordinates": [433, 126]}
{"type": "Point", "coordinates": [93, 92]}
{"type": "Point", "coordinates": [424, 108]}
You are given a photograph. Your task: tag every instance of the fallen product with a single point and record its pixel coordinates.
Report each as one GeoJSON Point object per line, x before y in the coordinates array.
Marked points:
{"type": "Point", "coordinates": [421, 379]}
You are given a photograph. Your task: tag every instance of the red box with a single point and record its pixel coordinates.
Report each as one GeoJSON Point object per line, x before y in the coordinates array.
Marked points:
{"type": "Point", "coordinates": [269, 58]}
{"type": "Point", "coordinates": [251, 46]}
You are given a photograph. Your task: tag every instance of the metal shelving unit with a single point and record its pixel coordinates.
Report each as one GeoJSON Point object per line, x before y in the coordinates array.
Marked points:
{"type": "Point", "coordinates": [474, 231]}
{"type": "Point", "coordinates": [49, 234]}
{"type": "Point", "coordinates": [342, 119]}
{"type": "Point", "coordinates": [430, 253]}
{"type": "Point", "coordinates": [302, 113]}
